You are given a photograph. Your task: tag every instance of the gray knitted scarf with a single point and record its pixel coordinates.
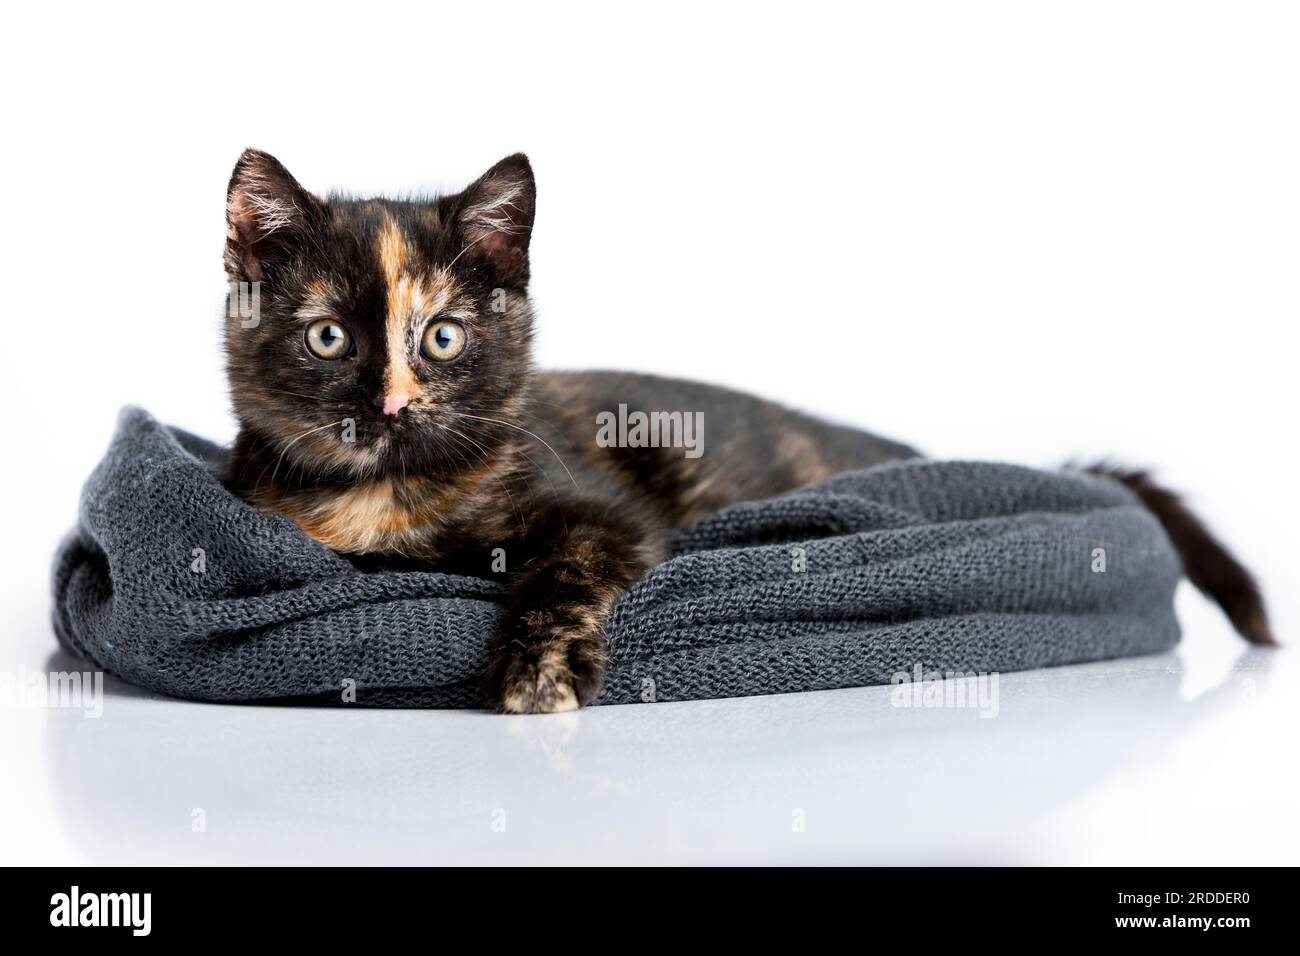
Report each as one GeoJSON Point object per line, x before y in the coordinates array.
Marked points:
{"type": "Point", "coordinates": [171, 583]}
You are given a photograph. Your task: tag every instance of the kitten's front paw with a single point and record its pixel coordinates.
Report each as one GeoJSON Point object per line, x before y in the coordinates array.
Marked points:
{"type": "Point", "coordinates": [529, 681]}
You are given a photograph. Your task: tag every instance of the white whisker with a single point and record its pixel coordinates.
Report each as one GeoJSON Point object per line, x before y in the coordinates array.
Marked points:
{"type": "Point", "coordinates": [533, 435]}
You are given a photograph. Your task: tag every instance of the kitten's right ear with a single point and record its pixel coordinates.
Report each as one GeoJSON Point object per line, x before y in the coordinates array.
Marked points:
{"type": "Point", "coordinates": [496, 218]}
{"type": "Point", "coordinates": [267, 212]}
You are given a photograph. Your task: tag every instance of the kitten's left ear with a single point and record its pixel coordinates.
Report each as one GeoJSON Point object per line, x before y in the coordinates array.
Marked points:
{"type": "Point", "coordinates": [495, 215]}
{"type": "Point", "coordinates": [267, 214]}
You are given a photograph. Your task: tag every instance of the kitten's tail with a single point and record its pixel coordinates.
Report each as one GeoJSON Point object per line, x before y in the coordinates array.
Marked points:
{"type": "Point", "coordinates": [1209, 565]}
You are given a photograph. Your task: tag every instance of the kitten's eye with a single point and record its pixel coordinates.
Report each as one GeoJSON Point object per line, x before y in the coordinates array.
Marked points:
{"type": "Point", "coordinates": [443, 341]}
{"type": "Point", "coordinates": [328, 339]}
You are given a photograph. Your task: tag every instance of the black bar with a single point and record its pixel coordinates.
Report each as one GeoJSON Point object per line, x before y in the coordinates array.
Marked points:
{"type": "Point", "coordinates": [578, 906]}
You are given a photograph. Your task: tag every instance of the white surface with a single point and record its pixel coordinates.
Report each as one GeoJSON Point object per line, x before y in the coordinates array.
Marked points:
{"type": "Point", "coordinates": [1012, 231]}
{"type": "Point", "coordinates": [1170, 759]}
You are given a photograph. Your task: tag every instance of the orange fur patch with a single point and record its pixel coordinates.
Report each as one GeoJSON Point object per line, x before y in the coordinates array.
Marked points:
{"type": "Point", "coordinates": [394, 261]}
{"type": "Point", "coordinates": [411, 297]}
{"type": "Point", "coordinates": [383, 516]}
{"type": "Point", "coordinates": [366, 517]}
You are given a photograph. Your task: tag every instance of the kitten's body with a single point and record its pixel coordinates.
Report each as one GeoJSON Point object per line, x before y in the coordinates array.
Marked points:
{"type": "Point", "coordinates": [757, 449]}
{"type": "Point", "coordinates": [388, 405]}
{"type": "Point", "coordinates": [551, 508]}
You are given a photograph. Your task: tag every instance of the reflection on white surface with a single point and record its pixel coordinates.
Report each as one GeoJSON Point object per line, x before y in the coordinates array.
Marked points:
{"type": "Point", "coordinates": [838, 776]}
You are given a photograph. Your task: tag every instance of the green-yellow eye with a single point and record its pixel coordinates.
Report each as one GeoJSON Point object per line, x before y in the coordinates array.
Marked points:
{"type": "Point", "coordinates": [443, 341]}
{"type": "Point", "coordinates": [328, 339]}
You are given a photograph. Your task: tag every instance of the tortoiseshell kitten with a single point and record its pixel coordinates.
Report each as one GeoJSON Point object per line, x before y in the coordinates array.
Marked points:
{"type": "Point", "coordinates": [388, 405]}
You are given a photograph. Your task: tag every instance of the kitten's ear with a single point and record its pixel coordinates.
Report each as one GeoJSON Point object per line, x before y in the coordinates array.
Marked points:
{"type": "Point", "coordinates": [495, 215]}
{"type": "Point", "coordinates": [267, 212]}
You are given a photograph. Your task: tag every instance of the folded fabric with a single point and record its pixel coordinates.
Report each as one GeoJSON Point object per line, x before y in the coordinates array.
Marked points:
{"type": "Point", "coordinates": [173, 584]}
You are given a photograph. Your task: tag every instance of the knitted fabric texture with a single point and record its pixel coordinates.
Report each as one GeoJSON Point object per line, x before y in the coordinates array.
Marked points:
{"type": "Point", "coordinates": [173, 584]}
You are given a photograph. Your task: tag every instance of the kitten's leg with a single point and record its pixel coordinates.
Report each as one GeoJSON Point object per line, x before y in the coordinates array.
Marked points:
{"type": "Point", "coordinates": [550, 652]}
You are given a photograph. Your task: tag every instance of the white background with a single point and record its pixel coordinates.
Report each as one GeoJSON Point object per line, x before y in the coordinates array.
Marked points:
{"type": "Point", "coordinates": [1017, 231]}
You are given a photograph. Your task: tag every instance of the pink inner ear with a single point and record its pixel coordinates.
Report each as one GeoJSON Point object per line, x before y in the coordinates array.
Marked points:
{"type": "Point", "coordinates": [492, 242]}
{"type": "Point", "coordinates": [252, 264]}
{"type": "Point", "coordinates": [501, 247]}
{"type": "Point", "coordinates": [252, 219]}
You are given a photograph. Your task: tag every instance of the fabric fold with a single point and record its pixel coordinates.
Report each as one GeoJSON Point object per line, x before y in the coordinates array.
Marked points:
{"type": "Point", "coordinates": [172, 583]}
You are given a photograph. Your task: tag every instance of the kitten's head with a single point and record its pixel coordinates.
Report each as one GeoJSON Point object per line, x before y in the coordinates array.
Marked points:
{"type": "Point", "coordinates": [373, 337]}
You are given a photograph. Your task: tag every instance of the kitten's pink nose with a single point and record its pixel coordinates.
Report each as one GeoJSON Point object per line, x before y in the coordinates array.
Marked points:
{"type": "Point", "coordinates": [395, 402]}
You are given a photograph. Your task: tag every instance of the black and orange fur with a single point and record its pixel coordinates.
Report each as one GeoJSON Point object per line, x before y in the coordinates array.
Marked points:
{"type": "Point", "coordinates": [388, 456]}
